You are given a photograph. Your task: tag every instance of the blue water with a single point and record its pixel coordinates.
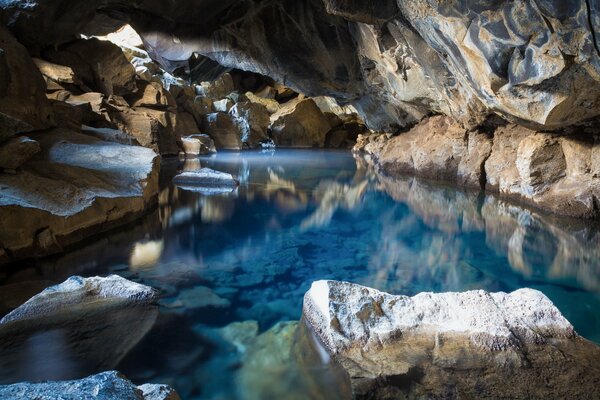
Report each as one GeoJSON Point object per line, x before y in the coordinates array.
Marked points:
{"type": "Point", "coordinates": [249, 256]}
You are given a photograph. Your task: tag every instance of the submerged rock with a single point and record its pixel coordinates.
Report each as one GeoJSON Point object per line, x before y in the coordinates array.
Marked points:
{"type": "Point", "coordinates": [109, 385]}
{"type": "Point", "coordinates": [207, 181]}
{"type": "Point", "coordinates": [472, 344]}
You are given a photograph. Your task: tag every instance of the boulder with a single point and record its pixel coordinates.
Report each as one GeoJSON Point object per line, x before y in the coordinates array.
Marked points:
{"type": "Point", "coordinates": [10, 126]}
{"type": "Point", "coordinates": [99, 319]}
{"type": "Point", "coordinates": [299, 124]}
{"type": "Point", "coordinates": [153, 128]}
{"type": "Point", "coordinates": [272, 105]}
{"type": "Point", "coordinates": [78, 186]}
{"type": "Point", "coordinates": [470, 344]}
{"type": "Point", "coordinates": [100, 65]}
{"type": "Point", "coordinates": [432, 149]}
{"type": "Point", "coordinates": [22, 90]}
{"type": "Point", "coordinates": [14, 152]}
{"type": "Point", "coordinates": [217, 89]}
{"type": "Point", "coordinates": [252, 120]}
{"type": "Point", "coordinates": [220, 127]}
{"type": "Point", "coordinates": [109, 385]}
{"type": "Point", "coordinates": [186, 124]}
{"type": "Point", "coordinates": [57, 73]}
{"type": "Point", "coordinates": [206, 181]}
{"type": "Point", "coordinates": [223, 105]}
{"type": "Point", "coordinates": [151, 95]}
{"type": "Point", "coordinates": [194, 146]}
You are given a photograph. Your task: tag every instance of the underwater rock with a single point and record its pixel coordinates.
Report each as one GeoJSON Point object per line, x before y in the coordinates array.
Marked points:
{"type": "Point", "coordinates": [207, 181]}
{"type": "Point", "coordinates": [473, 344]}
{"type": "Point", "coordinates": [80, 326]}
{"type": "Point", "coordinates": [109, 385]}
{"type": "Point", "coordinates": [77, 186]}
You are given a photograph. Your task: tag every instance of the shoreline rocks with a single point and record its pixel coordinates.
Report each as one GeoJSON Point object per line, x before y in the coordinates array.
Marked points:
{"type": "Point", "coordinates": [555, 173]}
{"type": "Point", "coordinates": [110, 385]}
{"type": "Point", "coordinates": [486, 345]}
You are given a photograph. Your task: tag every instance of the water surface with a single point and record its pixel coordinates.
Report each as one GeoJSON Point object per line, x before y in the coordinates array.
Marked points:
{"type": "Point", "coordinates": [233, 268]}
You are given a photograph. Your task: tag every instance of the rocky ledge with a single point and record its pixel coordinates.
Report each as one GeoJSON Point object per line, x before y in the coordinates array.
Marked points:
{"type": "Point", "coordinates": [559, 173]}
{"type": "Point", "coordinates": [104, 386]}
{"type": "Point", "coordinates": [451, 345]}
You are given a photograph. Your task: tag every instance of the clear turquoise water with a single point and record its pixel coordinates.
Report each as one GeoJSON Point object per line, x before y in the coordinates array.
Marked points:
{"type": "Point", "coordinates": [299, 216]}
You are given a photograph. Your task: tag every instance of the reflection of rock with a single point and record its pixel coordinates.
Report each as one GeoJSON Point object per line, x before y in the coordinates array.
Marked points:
{"type": "Point", "coordinates": [206, 181]}
{"type": "Point", "coordinates": [104, 386]}
{"type": "Point", "coordinates": [273, 368]}
{"type": "Point", "coordinates": [77, 327]}
{"type": "Point", "coordinates": [470, 343]}
{"type": "Point", "coordinates": [146, 254]}
{"type": "Point", "coordinates": [331, 196]}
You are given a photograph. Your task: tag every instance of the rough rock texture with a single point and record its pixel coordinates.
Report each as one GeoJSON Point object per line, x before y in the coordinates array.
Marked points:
{"type": "Point", "coordinates": [109, 385]}
{"type": "Point", "coordinates": [515, 344]}
{"type": "Point", "coordinates": [22, 90]}
{"type": "Point", "coordinates": [99, 320]}
{"type": "Point", "coordinates": [555, 172]}
{"type": "Point", "coordinates": [14, 152]}
{"type": "Point", "coordinates": [299, 124]}
{"type": "Point", "coordinates": [252, 119]}
{"type": "Point", "coordinates": [78, 185]}
{"type": "Point", "coordinates": [207, 181]}
{"type": "Point", "coordinates": [220, 127]}
{"type": "Point", "coordinates": [530, 61]}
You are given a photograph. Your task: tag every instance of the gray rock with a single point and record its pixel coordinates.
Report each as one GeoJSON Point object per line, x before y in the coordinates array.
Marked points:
{"type": "Point", "coordinates": [507, 343]}
{"type": "Point", "coordinates": [223, 105]}
{"type": "Point", "coordinates": [77, 186]}
{"type": "Point", "coordinates": [109, 385]}
{"type": "Point", "coordinates": [252, 120]}
{"type": "Point", "coordinates": [16, 151]}
{"type": "Point", "coordinates": [206, 181]}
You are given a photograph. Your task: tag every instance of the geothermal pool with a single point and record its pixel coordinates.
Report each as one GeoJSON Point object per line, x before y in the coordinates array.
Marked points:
{"type": "Point", "coordinates": [232, 270]}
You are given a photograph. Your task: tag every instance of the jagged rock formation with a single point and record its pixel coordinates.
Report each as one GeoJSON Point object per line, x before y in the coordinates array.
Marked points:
{"type": "Point", "coordinates": [104, 386]}
{"type": "Point", "coordinates": [529, 61]}
{"type": "Point", "coordinates": [444, 345]}
{"type": "Point", "coordinates": [555, 172]}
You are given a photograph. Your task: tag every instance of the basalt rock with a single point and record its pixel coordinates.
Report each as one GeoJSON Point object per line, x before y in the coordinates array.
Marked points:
{"type": "Point", "coordinates": [471, 344]}
{"type": "Point", "coordinates": [109, 385]}
{"type": "Point", "coordinates": [299, 124]}
{"type": "Point", "coordinates": [16, 151]}
{"type": "Point", "coordinates": [221, 129]}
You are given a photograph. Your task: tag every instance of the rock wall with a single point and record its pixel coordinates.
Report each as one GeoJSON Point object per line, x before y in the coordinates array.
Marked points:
{"type": "Point", "coordinates": [533, 62]}
{"type": "Point", "coordinates": [555, 172]}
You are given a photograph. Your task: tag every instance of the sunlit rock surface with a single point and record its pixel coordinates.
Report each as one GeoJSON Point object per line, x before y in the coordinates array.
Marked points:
{"type": "Point", "coordinates": [104, 386]}
{"type": "Point", "coordinates": [480, 344]}
{"type": "Point", "coordinates": [77, 186]}
{"type": "Point", "coordinates": [90, 324]}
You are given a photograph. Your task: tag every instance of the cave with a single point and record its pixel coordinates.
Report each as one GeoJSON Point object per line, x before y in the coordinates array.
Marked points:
{"type": "Point", "coordinates": [299, 199]}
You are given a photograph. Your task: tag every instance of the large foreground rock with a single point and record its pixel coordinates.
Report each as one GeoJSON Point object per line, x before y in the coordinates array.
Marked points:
{"type": "Point", "coordinates": [87, 325]}
{"type": "Point", "coordinates": [473, 344]}
{"type": "Point", "coordinates": [77, 186]}
{"type": "Point", "coordinates": [109, 385]}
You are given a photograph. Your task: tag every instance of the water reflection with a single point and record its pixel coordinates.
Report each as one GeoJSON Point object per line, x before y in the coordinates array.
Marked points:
{"type": "Point", "coordinates": [232, 267]}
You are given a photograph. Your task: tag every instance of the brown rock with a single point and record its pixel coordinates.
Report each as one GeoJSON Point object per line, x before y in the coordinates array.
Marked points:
{"type": "Point", "coordinates": [16, 151]}
{"type": "Point", "coordinates": [101, 65]}
{"type": "Point", "coordinates": [223, 131]}
{"type": "Point", "coordinates": [541, 162]}
{"type": "Point", "coordinates": [216, 89]}
{"type": "Point", "coordinates": [471, 170]}
{"type": "Point", "coordinates": [186, 124]}
{"type": "Point", "coordinates": [10, 126]}
{"type": "Point", "coordinates": [22, 87]}
{"type": "Point", "coordinates": [299, 124]}
{"type": "Point", "coordinates": [252, 120]}
{"type": "Point", "coordinates": [152, 95]}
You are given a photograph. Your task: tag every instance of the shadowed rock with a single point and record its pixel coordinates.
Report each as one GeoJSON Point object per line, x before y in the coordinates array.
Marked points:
{"type": "Point", "coordinates": [78, 327]}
